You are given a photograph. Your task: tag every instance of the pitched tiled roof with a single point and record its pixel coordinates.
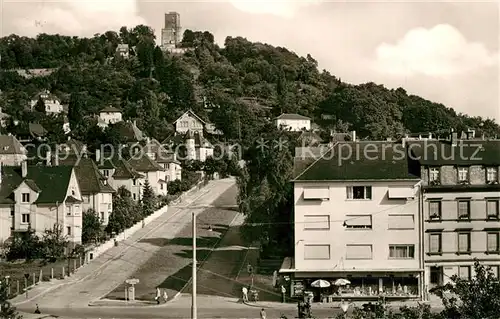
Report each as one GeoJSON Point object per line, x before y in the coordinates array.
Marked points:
{"type": "Point", "coordinates": [144, 163]}
{"type": "Point", "coordinates": [89, 178]}
{"type": "Point", "coordinates": [51, 182]}
{"type": "Point", "coordinates": [72, 146]}
{"type": "Point", "coordinates": [356, 161]}
{"type": "Point", "coordinates": [123, 170]}
{"type": "Point", "coordinates": [286, 116]}
{"type": "Point", "coordinates": [37, 130]}
{"type": "Point", "coordinates": [110, 109]}
{"type": "Point", "coordinates": [130, 131]}
{"type": "Point", "coordinates": [199, 139]}
{"type": "Point", "coordinates": [191, 113]}
{"type": "Point", "coordinates": [163, 152]}
{"type": "Point", "coordinates": [10, 145]}
{"type": "Point", "coordinates": [474, 152]}
{"type": "Point", "coordinates": [47, 93]}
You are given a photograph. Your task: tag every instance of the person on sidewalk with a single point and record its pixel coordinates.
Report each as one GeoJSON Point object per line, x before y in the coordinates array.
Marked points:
{"type": "Point", "coordinates": [244, 290]}
{"type": "Point", "coordinates": [262, 314]}
{"type": "Point", "coordinates": [283, 294]}
{"type": "Point", "coordinates": [344, 305]}
{"type": "Point", "coordinates": [37, 310]}
{"type": "Point", "coordinates": [165, 295]}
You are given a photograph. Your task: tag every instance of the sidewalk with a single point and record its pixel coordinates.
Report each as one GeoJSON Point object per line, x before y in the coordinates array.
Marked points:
{"type": "Point", "coordinates": [112, 254]}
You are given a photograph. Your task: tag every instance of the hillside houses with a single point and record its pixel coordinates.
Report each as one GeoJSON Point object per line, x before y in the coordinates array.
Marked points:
{"type": "Point", "coordinates": [51, 102]}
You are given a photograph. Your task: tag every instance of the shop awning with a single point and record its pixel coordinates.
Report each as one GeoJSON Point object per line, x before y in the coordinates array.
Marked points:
{"type": "Point", "coordinates": [318, 193]}
{"type": "Point", "coordinates": [401, 193]}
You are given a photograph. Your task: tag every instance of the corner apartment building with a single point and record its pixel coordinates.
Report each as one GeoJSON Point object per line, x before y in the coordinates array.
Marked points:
{"type": "Point", "coordinates": [356, 215]}
{"type": "Point", "coordinates": [460, 203]}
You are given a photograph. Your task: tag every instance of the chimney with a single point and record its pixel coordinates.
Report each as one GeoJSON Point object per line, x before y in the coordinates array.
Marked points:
{"type": "Point", "coordinates": [430, 135]}
{"type": "Point", "coordinates": [353, 136]}
{"type": "Point", "coordinates": [97, 156]}
{"type": "Point", "coordinates": [48, 157]}
{"type": "Point", "coordinates": [454, 138]}
{"type": "Point", "coordinates": [24, 169]}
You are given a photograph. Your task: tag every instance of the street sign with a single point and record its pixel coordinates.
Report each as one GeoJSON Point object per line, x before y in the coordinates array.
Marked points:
{"type": "Point", "coordinates": [132, 281]}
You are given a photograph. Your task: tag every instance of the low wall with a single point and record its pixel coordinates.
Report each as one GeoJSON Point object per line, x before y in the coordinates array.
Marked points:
{"type": "Point", "coordinates": [94, 252]}
{"type": "Point", "coordinates": [98, 250]}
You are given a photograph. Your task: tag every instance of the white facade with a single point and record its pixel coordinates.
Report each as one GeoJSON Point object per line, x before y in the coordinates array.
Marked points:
{"type": "Point", "coordinates": [293, 124]}
{"type": "Point", "coordinates": [110, 117]}
{"type": "Point", "coordinates": [154, 178]}
{"type": "Point", "coordinates": [188, 122]}
{"type": "Point", "coordinates": [337, 233]}
{"type": "Point", "coordinates": [134, 186]}
{"type": "Point", "coordinates": [52, 104]}
{"type": "Point", "coordinates": [101, 203]}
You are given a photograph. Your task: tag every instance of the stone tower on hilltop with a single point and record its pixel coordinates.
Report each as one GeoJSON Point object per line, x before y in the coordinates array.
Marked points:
{"type": "Point", "coordinates": [171, 33]}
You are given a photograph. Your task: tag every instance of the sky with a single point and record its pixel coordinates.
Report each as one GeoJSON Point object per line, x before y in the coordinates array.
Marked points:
{"type": "Point", "coordinates": [447, 52]}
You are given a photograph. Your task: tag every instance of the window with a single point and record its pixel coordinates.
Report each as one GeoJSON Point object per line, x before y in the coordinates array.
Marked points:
{"type": "Point", "coordinates": [358, 222]}
{"type": "Point", "coordinates": [102, 216]}
{"type": "Point", "coordinates": [106, 172]}
{"type": "Point", "coordinates": [316, 252]}
{"type": "Point", "coordinates": [161, 185]}
{"type": "Point", "coordinates": [493, 243]}
{"type": "Point", "coordinates": [110, 206]}
{"type": "Point", "coordinates": [492, 209]}
{"type": "Point", "coordinates": [72, 192]}
{"type": "Point", "coordinates": [316, 193]}
{"type": "Point", "coordinates": [463, 209]}
{"type": "Point", "coordinates": [25, 218]}
{"type": "Point", "coordinates": [134, 196]}
{"type": "Point", "coordinates": [435, 210]}
{"type": "Point", "coordinates": [435, 243]}
{"type": "Point", "coordinates": [464, 272]}
{"type": "Point", "coordinates": [401, 222]}
{"type": "Point", "coordinates": [359, 252]}
{"type": "Point", "coordinates": [433, 174]}
{"type": "Point", "coordinates": [402, 251]}
{"type": "Point", "coordinates": [463, 174]}
{"type": "Point", "coordinates": [464, 243]}
{"type": "Point", "coordinates": [317, 222]}
{"type": "Point", "coordinates": [134, 182]}
{"type": "Point", "coordinates": [492, 174]}
{"type": "Point", "coordinates": [68, 229]}
{"type": "Point", "coordinates": [26, 197]}
{"type": "Point", "coordinates": [69, 210]}
{"type": "Point", "coordinates": [359, 192]}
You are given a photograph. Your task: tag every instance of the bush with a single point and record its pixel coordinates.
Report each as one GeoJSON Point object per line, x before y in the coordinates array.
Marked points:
{"type": "Point", "coordinates": [174, 187]}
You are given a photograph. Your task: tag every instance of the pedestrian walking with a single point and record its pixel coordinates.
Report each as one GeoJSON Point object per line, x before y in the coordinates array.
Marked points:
{"type": "Point", "coordinates": [37, 310]}
{"type": "Point", "coordinates": [244, 290]}
{"type": "Point", "coordinates": [262, 314]}
{"type": "Point", "coordinates": [283, 294]}
{"type": "Point", "coordinates": [158, 295]}
{"type": "Point", "coordinates": [165, 295]}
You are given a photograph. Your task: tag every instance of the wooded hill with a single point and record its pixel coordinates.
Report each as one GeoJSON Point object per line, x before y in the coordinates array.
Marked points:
{"type": "Point", "coordinates": [249, 82]}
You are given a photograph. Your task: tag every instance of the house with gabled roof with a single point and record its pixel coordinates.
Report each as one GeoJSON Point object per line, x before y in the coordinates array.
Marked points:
{"type": "Point", "coordinates": [190, 146]}
{"type": "Point", "coordinates": [293, 122]}
{"type": "Point", "coordinates": [130, 131]}
{"type": "Point", "coordinates": [166, 157]}
{"type": "Point", "coordinates": [38, 198]}
{"type": "Point", "coordinates": [97, 194]}
{"type": "Point", "coordinates": [152, 171]}
{"type": "Point", "coordinates": [189, 121]}
{"type": "Point", "coordinates": [33, 132]}
{"type": "Point", "coordinates": [52, 102]}
{"type": "Point", "coordinates": [110, 115]}
{"type": "Point", "coordinates": [12, 152]}
{"type": "Point", "coordinates": [120, 174]}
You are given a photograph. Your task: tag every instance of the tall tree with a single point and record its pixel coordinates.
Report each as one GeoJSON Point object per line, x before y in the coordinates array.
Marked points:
{"type": "Point", "coordinates": [76, 110]}
{"type": "Point", "coordinates": [40, 105]}
{"type": "Point", "coordinates": [91, 227]}
{"type": "Point", "coordinates": [148, 199]}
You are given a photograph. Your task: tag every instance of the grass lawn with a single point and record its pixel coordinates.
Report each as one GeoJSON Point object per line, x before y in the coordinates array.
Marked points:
{"type": "Point", "coordinates": [170, 267]}
{"type": "Point", "coordinates": [16, 271]}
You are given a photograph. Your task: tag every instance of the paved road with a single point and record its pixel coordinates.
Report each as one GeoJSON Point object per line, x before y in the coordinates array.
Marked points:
{"type": "Point", "coordinates": [110, 269]}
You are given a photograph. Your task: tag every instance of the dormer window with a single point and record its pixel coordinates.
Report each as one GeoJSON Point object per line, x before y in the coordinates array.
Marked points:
{"type": "Point", "coordinates": [491, 174]}
{"type": "Point", "coordinates": [463, 174]}
{"type": "Point", "coordinates": [434, 174]}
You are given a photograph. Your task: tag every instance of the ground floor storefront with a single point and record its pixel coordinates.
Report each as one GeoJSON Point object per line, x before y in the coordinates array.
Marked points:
{"type": "Point", "coordinates": [367, 285]}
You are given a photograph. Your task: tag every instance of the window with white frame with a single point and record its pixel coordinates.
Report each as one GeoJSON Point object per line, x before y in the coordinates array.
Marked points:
{"type": "Point", "coordinates": [464, 242]}
{"type": "Point", "coordinates": [464, 272]}
{"type": "Point", "coordinates": [358, 222]}
{"type": "Point", "coordinates": [435, 210]}
{"type": "Point", "coordinates": [25, 218]}
{"type": "Point", "coordinates": [492, 174]}
{"type": "Point", "coordinates": [492, 209]}
{"type": "Point", "coordinates": [464, 209]}
{"type": "Point", "coordinates": [493, 243]}
{"type": "Point", "coordinates": [433, 174]}
{"type": "Point", "coordinates": [359, 192]}
{"type": "Point", "coordinates": [463, 174]}
{"type": "Point", "coordinates": [25, 197]}
{"type": "Point", "coordinates": [435, 243]}
{"type": "Point", "coordinates": [401, 251]}
{"type": "Point", "coordinates": [68, 230]}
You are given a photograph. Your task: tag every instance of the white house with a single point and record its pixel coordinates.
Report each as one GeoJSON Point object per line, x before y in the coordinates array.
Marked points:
{"type": "Point", "coordinates": [190, 146]}
{"type": "Point", "coordinates": [189, 121]}
{"type": "Point", "coordinates": [52, 103]}
{"type": "Point", "coordinates": [110, 115]}
{"type": "Point", "coordinates": [152, 171]}
{"type": "Point", "coordinates": [123, 50]}
{"type": "Point", "coordinates": [166, 158]}
{"type": "Point", "coordinates": [12, 152]}
{"type": "Point", "coordinates": [120, 173]}
{"type": "Point", "coordinates": [357, 220]}
{"type": "Point", "coordinates": [293, 122]}
{"type": "Point", "coordinates": [38, 198]}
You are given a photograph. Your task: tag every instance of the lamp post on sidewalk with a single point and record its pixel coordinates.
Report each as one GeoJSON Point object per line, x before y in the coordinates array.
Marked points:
{"type": "Point", "coordinates": [193, 296]}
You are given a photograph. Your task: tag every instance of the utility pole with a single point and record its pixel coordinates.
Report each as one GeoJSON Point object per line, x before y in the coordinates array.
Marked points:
{"type": "Point", "coordinates": [193, 296]}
